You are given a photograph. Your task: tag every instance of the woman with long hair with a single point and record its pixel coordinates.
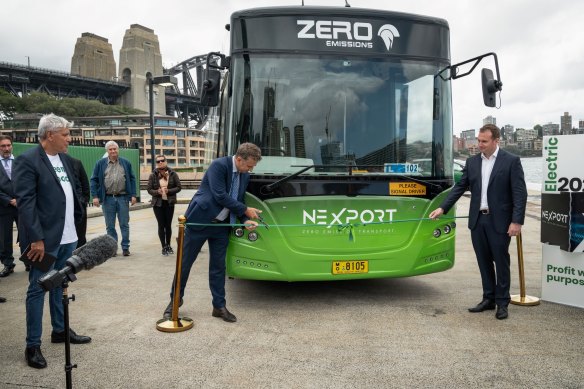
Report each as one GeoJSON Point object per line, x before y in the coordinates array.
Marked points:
{"type": "Point", "coordinates": [163, 185]}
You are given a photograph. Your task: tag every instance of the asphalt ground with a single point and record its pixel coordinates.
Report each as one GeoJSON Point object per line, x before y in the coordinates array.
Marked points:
{"type": "Point", "coordinates": [390, 333]}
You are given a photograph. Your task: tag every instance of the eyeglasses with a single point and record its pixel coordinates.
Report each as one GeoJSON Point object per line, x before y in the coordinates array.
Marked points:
{"type": "Point", "coordinates": [161, 160]}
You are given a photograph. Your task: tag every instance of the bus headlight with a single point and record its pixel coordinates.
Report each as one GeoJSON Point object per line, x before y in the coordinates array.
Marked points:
{"type": "Point", "coordinates": [238, 232]}
{"type": "Point", "coordinates": [437, 233]}
{"type": "Point", "coordinates": [447, 229]}
{"type": "Point", "coordinates": [252, 236]}
{"type": "Point", "coordinates": [453, 225]}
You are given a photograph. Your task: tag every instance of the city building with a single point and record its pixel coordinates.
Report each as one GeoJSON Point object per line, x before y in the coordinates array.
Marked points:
{"type": "Point", "coordinates": [550, 129]}
{"type": "Point", "coordinates": [490, 120]}
{"type": "Point", "coordinates": [182, 146]}
{"type": "Point", "coordinates": [566, 123]}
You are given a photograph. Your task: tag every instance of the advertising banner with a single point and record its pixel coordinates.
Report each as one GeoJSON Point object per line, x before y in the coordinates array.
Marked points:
{"type": "Point", "coordinates": [562, 220]}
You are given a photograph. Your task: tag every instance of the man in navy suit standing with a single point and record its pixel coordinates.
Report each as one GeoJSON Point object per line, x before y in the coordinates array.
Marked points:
{"type": "Point", "coordinates": [8, 210]}
{"type": "Point", "coordinates": [48, 206]}
{"type": "Point", "coordinates": [219, 200]}
{"type": "Point", "coordinates": [497, 211]}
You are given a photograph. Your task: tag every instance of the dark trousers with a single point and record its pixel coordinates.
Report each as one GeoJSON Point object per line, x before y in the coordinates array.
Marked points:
{"type": "Point", "coordinates": [81, 229]}
{"type": "Point", "coordinates": [217, 239]}
{"type": "Point", "coordinates": [492, 251]}
{"type": "Point", "coordinates": [164, 215]}
{"type": "Point", "coordinates": [7, 220]}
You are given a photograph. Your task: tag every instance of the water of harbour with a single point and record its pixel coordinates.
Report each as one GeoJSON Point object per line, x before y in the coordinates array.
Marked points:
{"type": "Point", "coordinates": [532, 167]}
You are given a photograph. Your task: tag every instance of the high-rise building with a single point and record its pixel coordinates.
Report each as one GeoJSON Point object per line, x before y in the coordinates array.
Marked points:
{"type": "Point", "coordinates": [468, 134]}
{"type": "Point", "coordinates": [550, 129]}
{"type": "Point", "coordinates": [507, 132]}
{"type": "Point", "coordinates": [299, 146]}
{"type": "Point", "coordinates": [490, 120]}
{"type": "Point", "coordinates": [566, 123]}
{"type": "Point", "coordinates": [287, 142]}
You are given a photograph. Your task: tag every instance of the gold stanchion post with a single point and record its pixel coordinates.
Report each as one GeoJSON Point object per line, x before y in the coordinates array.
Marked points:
{"type": "Point", "coordinates": [522, 299]}
{"type": "Point", "coordinates": [175, 323]}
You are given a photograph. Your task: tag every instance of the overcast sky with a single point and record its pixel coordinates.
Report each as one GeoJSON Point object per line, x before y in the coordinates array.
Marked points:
{"type": "Point", "coordinates": [539, 43]}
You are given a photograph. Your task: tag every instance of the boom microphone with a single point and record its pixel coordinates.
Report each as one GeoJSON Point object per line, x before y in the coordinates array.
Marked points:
{"type": "Point", "coordinates": [93, 253]}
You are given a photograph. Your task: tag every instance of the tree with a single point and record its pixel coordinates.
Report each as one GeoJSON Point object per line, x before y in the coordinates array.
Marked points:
{"type": "Point", "coordinates": [9, 104]}
{"type": "Point", "coordinates": [37, 102]}
{"type": "Point", "coordinates": [539, 130]}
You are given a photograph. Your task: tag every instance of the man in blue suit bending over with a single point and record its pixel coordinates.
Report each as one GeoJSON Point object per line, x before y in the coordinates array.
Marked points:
{"type": "Point", "coordinates": [497, 211]}
{"type": "Point", "coordinates": [219, 200]}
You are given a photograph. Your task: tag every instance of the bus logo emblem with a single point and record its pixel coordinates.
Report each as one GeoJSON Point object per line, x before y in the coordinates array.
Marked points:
{"type": "Point", "coordinates": [388, 33]}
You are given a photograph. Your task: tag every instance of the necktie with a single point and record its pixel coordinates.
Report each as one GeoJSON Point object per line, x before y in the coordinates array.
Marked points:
{"type": "Point", "coordinates": [234, 192]}
{"type": "Point", "coordinates": [7, 168]}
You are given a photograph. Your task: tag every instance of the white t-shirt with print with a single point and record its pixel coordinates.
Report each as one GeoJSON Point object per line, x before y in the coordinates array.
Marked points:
{"type": "Point", "coordinates": [69, 233]}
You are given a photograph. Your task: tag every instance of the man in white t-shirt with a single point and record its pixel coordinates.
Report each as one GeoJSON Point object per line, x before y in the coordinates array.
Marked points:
{"type": "Point", "coordinates": [48, 205]}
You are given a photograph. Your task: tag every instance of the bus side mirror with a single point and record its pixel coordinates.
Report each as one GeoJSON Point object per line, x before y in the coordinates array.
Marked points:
{"type": "Point", "coordinates": [490, 87]}
{"type": "Point", "coordinates": [210, 94]}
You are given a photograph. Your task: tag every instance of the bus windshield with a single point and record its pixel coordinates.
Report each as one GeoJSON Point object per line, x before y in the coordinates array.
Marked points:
{"type": "Point", "coordinates": [377, 116]}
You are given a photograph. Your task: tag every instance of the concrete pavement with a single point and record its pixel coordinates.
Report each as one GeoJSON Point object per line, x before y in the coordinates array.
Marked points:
{"type": "Point", "coordinates": [390, 333]}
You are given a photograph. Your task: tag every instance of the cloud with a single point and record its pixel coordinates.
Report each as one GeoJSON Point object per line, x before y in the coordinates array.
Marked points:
{"type": "Point", "coordinates": [538, 43]}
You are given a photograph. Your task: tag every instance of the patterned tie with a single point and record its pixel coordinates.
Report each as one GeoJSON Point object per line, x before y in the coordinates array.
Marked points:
{"type": "Point", "coordinates": [7, 168]}
{"type": "Point", "coordinates": [234, 192]}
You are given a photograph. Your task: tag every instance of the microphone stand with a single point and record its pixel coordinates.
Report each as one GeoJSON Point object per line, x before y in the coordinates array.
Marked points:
{"type": "Point", "coordinates": [68, 366]}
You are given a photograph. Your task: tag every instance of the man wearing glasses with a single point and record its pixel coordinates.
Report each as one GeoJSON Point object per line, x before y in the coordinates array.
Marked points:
{"type": "Point", "coordinates": [113, 185]}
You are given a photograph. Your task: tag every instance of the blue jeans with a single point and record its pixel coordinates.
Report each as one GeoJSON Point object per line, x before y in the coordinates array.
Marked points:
{"type": "Point", "coordinates": [217, 239]}
{"type": "Point", "coordinates": [35, 299]}
{"type": "Point", "coordinates": [119, 205]}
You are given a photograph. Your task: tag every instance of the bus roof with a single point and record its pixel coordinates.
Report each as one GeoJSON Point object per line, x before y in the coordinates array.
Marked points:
{"type": "Point", "coordinates": [335, 11]}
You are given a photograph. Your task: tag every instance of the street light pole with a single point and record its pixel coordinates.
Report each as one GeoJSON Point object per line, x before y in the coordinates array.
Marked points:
{"type": "Point", "coordinates": [151, 100]}
{"type": "Point", "coordinates": [162, 81]}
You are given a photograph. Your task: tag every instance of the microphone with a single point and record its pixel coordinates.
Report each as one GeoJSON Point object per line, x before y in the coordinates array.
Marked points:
{"type": "Point", "coordinates": [93, 253]}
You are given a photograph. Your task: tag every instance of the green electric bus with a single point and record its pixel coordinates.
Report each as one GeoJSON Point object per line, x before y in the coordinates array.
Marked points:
{"type": "Point", "coordinates": [352, 111]}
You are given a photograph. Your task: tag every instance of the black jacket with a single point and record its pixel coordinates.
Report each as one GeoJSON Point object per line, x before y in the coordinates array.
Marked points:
{"type": "Point", "coordinates": [174, 187]}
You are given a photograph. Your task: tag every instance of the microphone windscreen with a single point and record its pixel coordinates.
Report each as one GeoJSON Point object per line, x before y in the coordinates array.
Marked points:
{"type": "Point", "coordinates": [96, 251]}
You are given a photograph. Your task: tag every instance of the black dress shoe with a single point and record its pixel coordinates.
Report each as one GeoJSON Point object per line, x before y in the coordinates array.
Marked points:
{"type": "Point", "coordinates": [126, 253]}
{"type": "Point", "coordinates": [35, 358]}
{"type": "Point", "coordinates": [225, 314]}
{"type": "Point", "coordinates": [168, 311]}
{"type": "Point", "coordinates": [484, 305]}
{"type": "Point", "coordinates": [502, 312]}
{"type": "Point", "coordinates": [59, 337]}
{"type": "Point", "coordinates": [2, 300]}
{"type": "Point", "coordinates": [7, 271]}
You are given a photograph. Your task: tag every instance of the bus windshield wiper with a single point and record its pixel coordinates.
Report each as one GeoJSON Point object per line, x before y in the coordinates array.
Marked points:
{"type": "Point", "coordinates": [270, 187]}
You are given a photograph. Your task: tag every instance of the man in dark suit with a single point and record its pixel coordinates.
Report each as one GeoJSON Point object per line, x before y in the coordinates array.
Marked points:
{"type": "Point", "coordinates": [8, 211]}
{"type": "Point", "coordinates": [497, 212]}
{"type": "Point", "coordinates": [219, 200]}
{"type": "Point", "coordinates": [48, 205]}
{"type": "Point", "coordinates": [84, 195]}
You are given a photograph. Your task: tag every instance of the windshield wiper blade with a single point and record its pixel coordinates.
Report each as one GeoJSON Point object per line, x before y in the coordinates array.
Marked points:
{"type": "Point", "coordinates": [270, 187]}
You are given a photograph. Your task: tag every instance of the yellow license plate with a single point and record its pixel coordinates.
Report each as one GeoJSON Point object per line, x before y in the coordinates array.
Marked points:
{"type": "Point", "coordinates": [350, 267]}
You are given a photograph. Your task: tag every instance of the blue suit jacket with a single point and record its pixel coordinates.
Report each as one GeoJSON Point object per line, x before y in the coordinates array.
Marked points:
{"type": "Point", "coordinates": [41, 199]}
{"type": "Point", "coordinates": [213, 194]}
{"type": "Point", "coordinates": [507, 193]}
